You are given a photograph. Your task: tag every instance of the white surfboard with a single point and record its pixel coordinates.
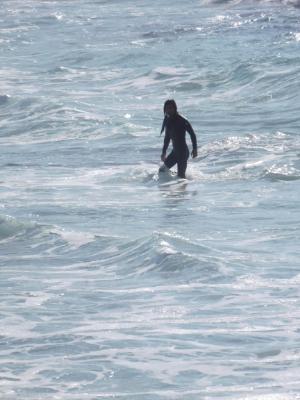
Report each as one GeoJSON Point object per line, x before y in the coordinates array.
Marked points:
{"type": "Point", "coordinates": [166, 175]}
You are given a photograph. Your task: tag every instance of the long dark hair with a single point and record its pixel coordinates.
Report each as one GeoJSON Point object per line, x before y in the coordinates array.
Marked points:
{"type": "Point", "coordinates": [169, 102]}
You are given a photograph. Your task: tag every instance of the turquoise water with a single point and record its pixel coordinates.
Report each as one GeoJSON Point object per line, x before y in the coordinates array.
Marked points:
{"type": "Point", "coordinates": [115, 283]}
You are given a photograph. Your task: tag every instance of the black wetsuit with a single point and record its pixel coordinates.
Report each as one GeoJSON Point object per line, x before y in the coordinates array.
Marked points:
{"type": "Point", "coordinates": [175, 129]}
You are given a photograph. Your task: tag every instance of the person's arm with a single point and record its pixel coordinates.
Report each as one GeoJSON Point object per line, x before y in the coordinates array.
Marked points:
{"type": "Point", "coordinates": [190, 130]}
{"type": "Point", "coordinates": [165, 146]}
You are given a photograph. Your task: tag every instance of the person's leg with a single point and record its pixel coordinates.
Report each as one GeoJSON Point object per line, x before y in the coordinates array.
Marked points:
{"type": "Point", "coordinates": [171, 160]}
{"type": "Point", "coordinates": [182, 164]}
{"type": "Point", "coordinates": [181, 168]}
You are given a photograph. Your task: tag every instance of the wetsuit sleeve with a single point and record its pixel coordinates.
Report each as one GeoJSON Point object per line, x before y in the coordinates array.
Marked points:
{"type": "Point", "coordinates": [166, 142]}
{"type": "Point", "coordinates": [190, 130]}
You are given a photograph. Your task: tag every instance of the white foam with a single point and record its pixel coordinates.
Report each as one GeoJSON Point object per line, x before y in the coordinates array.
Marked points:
{"type": "Point", "coordinates": [297, 36]}
{"type": "Point", "coordinates": [75, 239]}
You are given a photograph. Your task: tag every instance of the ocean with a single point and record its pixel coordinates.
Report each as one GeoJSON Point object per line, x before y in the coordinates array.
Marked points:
{"type": "Point", "coordinates": [116, 283]}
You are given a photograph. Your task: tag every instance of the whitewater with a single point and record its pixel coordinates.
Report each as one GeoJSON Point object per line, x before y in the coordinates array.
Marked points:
{"type": "Point", "coordinates": [114, 283]}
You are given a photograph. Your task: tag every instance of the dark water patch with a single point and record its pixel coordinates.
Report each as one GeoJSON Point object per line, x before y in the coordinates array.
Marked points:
{"type": "Point", "coordinates": [4, 99]}
{"type": "Point", "coordinates": [281, 176]}
{"type": "Point", "coordinates": [10, 227]}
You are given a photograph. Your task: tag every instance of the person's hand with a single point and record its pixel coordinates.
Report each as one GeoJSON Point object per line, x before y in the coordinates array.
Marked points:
{"type": "Point", "coordinates": [194, 153]}
{"type": "Point", "coordinates": [163, 157]}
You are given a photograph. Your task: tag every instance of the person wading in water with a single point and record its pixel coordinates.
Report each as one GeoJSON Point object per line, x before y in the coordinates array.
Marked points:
{"type": "Point", "coordinates": [175, 127]}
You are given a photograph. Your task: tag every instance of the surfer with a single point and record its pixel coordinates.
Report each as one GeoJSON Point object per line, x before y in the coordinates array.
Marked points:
{"type": "Point", "coordinates": [175, 127]}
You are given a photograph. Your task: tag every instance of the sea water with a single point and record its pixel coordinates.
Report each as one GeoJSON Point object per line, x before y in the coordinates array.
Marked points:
{"type": "Point", "coordinates": [116, 284]}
